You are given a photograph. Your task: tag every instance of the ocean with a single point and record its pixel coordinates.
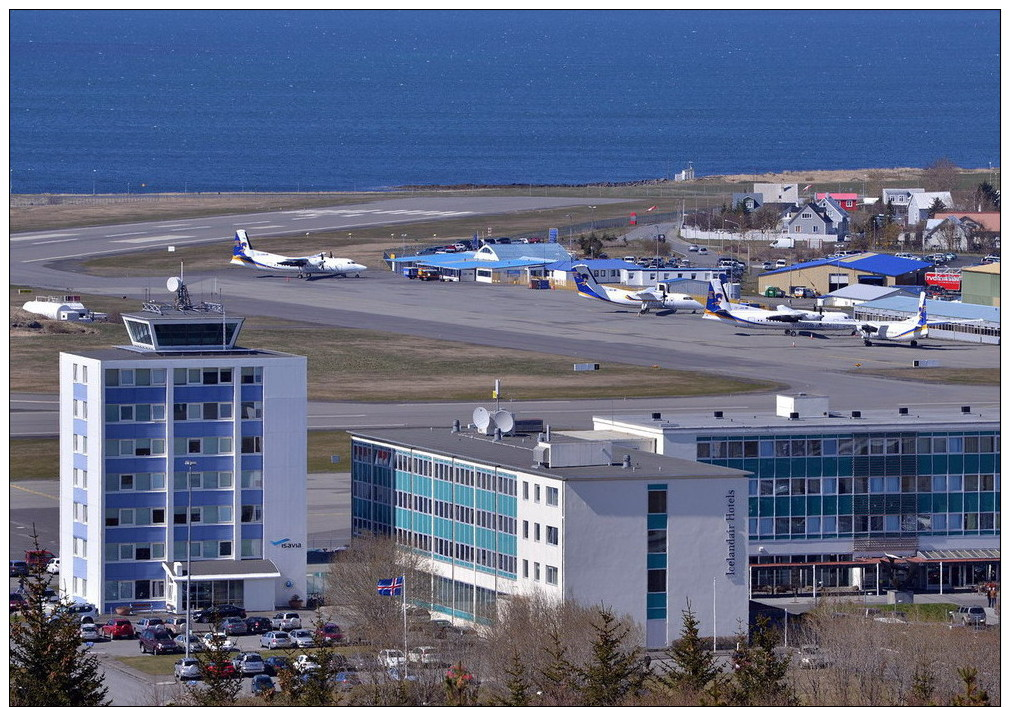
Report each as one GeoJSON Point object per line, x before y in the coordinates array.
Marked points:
{"type": "Point", "coordinates": [156, 101]}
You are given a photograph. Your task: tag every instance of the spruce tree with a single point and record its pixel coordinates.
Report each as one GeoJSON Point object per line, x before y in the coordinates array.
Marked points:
{"type": "Point", "coordinates": [972, 695]}
{"type": "Point", "coordinates": [691, 666]}
{"type": "Point", "coordinates": [49, 665]}
{"type": "Point", "coordinates": [760, 674]}
{"type": "Point", "coordinates": [613, 673]}
{"type": "Point", "coordinates": [518, 688]}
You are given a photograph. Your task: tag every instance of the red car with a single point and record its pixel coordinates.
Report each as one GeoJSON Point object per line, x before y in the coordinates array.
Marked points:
{"type": "Point", "coordinates": [329, 633]}
{"type": "Point", "coordinates": [18, 602]}
{"type": "Point", "coordinates": [224, 670]}
{"type": "Point", "coordinates": [117, 628]}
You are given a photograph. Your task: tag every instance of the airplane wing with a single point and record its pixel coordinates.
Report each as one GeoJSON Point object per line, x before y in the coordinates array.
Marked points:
{"type": "Point", "coordinates": [788, 318]}
{"type": "Point", "coordinates": [645, 296]}
{"type": "Point", "coordinates": [295, 262]}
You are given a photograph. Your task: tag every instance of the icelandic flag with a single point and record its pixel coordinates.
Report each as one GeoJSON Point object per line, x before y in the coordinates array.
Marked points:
{"type": "Point", "coordinates": [390, 587]}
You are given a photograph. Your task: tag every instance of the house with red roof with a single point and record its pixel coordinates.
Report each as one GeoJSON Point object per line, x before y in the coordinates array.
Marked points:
{"type": "Point", "coordinates": [847, 200]}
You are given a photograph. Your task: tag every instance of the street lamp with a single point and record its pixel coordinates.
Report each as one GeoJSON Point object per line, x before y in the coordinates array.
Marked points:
{"type": "Point", "coordinates": [189, 551]}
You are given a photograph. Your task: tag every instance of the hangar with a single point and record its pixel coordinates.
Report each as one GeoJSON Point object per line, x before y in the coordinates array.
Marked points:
{"type": "Point", "coordinates": [982, 323]}
{"type": "Point", "coordinates": [830, 274]}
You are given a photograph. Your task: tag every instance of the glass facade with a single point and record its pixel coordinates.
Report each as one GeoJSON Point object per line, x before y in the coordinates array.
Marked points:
{"type": "Point", "coordinates": [859, 485]}
{"type": "Point", "coordinates": [656, 548]}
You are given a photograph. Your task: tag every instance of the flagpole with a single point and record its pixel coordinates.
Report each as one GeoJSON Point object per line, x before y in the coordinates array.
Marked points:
{"type": "Point", "coordinates": [404, 590]}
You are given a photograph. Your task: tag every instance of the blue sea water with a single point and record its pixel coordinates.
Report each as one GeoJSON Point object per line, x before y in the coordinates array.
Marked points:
{"type": "Point", "coordinates": [150, 101]}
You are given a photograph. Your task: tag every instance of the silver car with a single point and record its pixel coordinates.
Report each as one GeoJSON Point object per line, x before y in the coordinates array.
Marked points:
{"type": "Point", "coordinates": [275, 639]}
{"type": "Point", "coordinates": [187, 669]}
{"type": "Point", "coordinates": [249, 663]}
{"type": "Point", "coordinates": [302, 638]}
{"type": "Point", "coordinates": [89, 632]}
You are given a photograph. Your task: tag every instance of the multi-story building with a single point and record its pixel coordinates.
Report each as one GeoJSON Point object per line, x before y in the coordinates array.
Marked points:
{"type": "Point", "coordinates": [182, 450]}
{"type": "Point", "coordinates": [567, 517]}
{"type": "Point", "coordinates": [835, 496]}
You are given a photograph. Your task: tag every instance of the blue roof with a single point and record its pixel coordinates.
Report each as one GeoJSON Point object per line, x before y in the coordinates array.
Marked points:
{"type": "Point", "coordinates": [878, 264]}
{"type": "Point", "coordinates": [935, 308]}
{"type": "Point", "coordinates": [599, 264]}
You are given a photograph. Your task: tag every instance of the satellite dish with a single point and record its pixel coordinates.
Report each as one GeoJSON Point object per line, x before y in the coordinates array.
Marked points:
{"type": "Point", "coordinates": [173, 284]}
{"type": "Point", "coordinates": [482, 419]}
{"type": "Point", "coordinates": [504, 421]}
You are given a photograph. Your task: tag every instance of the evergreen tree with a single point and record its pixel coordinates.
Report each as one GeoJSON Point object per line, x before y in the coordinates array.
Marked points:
{"type": "Point", "coordinates": [518, 688]}
{"type": "Point", "coordinates": [556, 679]}
{"type": "Point", "coordinates": [692, 666]}
{"type": "Point", "coordinates": [613, 673]}
{"type": "Point", "coordinates": [48, 663]}
{"type": "Point", "coordinates": [759, 677]}
{"type": "Point", "coordinates": [971, 696]}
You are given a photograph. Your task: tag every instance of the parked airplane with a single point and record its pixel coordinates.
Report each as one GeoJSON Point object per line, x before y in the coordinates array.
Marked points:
{"type": "Point", "coordinates": [910, 330]}
{"type": "Point", "coordinates": [307, 266]}
{"type": "Point", "coordinates": [658, 297]}
{"type": "Point", "coordinates": [719, 308]}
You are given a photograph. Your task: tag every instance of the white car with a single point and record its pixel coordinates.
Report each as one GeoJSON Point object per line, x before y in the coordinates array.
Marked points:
{"type": "Point", "coordinates": [305, 663]}
{"type": "Point", "coordinates": [195, 644]}
{"type": "Point", "coordinates": [286, 620]}
{"type": "Point", "coordinates": [693, 248]}
{"type": "Point", "coordinates": [302, 638]}
{"type": "Point", "coordinates": [424, 655]}
{"type": "Point", "coordinates": [275, 639]}
{"type": "Point", "coordinates": [392, 658]}
{"type": "Point", "coordinates": [53, 566]}
{"type": "Point", "coordinates": [218, 640]}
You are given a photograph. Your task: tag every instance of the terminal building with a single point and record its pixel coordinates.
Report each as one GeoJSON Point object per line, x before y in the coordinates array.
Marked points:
{"type": "Point", "coordinates": [593, 520]}
{"type": "Point", "coordinates": [178, 452]}
{"type": "Point", "coordinates": [835, 497]}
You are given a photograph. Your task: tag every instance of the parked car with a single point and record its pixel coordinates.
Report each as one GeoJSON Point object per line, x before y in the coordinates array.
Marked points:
{"type": "Point", "coordinates": [425, 655]}
{"type": "Point", "coordinates": [175, 625]}
{"type": "Point", "coordinates": [195, 644]}
{"type": "Point", "coordinates": [216, 613]}
{"type": "Point", "coordinates": [149, 622]}
{"type": "Point", "coordinates": [968, 616]}
{"type": "Point", "coordinates": [262, 683]}
{"type": "Point", "coordinates": [693, 248]}
{"type": "Point", "coordinates": [345, 680]}
{"type": "Point", "coordinates": [89, 632]}
{"type": "Point", "coordinates": [249, 663]}
{"type": "Point", "coordinates": [118, 628]}
{"type": "Point", "coordinates": [302, 638]}
{"type": "Point", "coordinates": [258, 624]}
{"type": "Point", "coordinates": [781, 263]}
{"type": "Point", "coordinates": [810, 656]}
{"type": "Point", "coordinates": [234, 626]}
{"type": "Point", "coordinates": [78, 611]}
{"type": "Point", "coordinates": [19, 568]}
{"type": "Point", "coordinates": [702, 250]}
{"type": "Point", "coordinates": [305, 663]}
{"type": "Point", "coordinates": [286, 620]}
{"type": "Point", "coordinates": [53, 566]}
{"type": "Point", "coordinates": [222, 669]}
{"type": "Point", "coordinates": [275, 639]}
{"type": "Point", "coordinates": [187, 669]}
{"type": "Point", "coordinates": [329, 633]}
{"type": "Point", "coordinates": [391, 658]}
{"type": "Point", "coordinates": [18, 602]}
{"type": "Point", "coordinates": [157, 641]}
{"type": "Point", "coordinates": [275, 664]}
{"type": "Point", "coordinates": [221, 641]}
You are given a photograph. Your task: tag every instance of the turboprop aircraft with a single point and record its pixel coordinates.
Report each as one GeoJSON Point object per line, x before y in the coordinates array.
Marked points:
{"type": "Point", "coordinates": [789, 320]}
{"type": "Point", "coordinates": [305, 266]}
{"type": "Point", "coordinates": [910, 330]}
{"type": "Point", "coordinates": [658, 297]}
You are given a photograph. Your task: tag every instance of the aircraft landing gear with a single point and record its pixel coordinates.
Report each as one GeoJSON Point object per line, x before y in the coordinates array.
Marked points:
{"type": "Point", "coordinates": [867, 342]}
{"type": "Point", "coordinates": [913, 343]}
{"type": "Point", "coordinates": [791, 332]}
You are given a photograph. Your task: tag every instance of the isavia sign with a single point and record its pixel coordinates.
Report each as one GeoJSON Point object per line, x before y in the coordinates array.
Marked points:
{"type": "Point", "coordinates": [285, 543]}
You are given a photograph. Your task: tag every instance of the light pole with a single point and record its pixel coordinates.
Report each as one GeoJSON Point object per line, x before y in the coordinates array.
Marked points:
{"type": "Point", "coordinates": [189, 551]}
{"type": "Point", "coordinates": [94, 177]}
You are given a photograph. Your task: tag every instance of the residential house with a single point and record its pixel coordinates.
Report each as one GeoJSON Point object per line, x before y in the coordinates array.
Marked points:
{"type": "Point", "coordinates": [921, 202]}
{"type": "Point", "coordinates": [780, 193]}
{"type": "Point", "coordinates": [846, 200]}
{"type": "Point", "coordinates": [962, 231]}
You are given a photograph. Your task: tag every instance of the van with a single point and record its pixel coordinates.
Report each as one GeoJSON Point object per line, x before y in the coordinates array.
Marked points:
{"type": "Point", "coordinates": [781, 263]}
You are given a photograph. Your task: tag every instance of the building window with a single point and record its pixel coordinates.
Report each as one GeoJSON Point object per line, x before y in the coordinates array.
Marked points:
{"type": "Point", "coordinates": [536, 571]}
{"type": "Point", "coordinates": [536, 532]}
{"type": "Point", "coordinates": [526, 528]}
{"type": "Point", "coordinates": [657, 541]}
{"type": "Point", "coordinates": [252, 410]}
{"type": "Point", "coordinates": [551, 575]}
{"type": "Point", "coordinates": [80, 444]}
{"type": "Point", "coordinates": [526, 490]}
{"type": "Point", "coordinates": [252, 514]}
{"type": "Point", "coordinates": [536, 493]}
{"type": "Point", "coordinates": [80, 512]}
{"type": "Point", "coordinates": [80, 547]}
{"type": "Point", "coordinates": [80, 478]}
{"type": "Point", "coordinates": [252, 547]}
{"type": "Point", "coordinates": [80, 409]}
{"type": "Point", "coordinates": [657, 581]}
{"type": "Point", "coordinates": [657, 501]}
{"type": "Point", "coordinates": [552, 535]}
{"type": "Point", "coordinates": [552, 496]}
{"type": "Point", "coordinates": [526, 569]}
{"type": "Point", "coordinates": [252, 445]}
{"type": "Point", "coordinates": [252, 375]}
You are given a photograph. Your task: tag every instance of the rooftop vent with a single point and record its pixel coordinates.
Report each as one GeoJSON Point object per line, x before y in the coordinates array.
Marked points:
{"type": "Point", "coordinates": [856, 413]}
{"type": "Point", "coordinates": [626, 462]}
{"type": "Point", "coordinates": [966, 409]}
{"type": "Point", "coordinates": [657, 416]}
{"type": "Point", "coordinates": [717, 414]}
{"type": "Point", "coordinates": [902, 411]}
{"type": "Point", "coordinates": [455, 425]}
{"type": "Point", "coordinates": [794, 416]}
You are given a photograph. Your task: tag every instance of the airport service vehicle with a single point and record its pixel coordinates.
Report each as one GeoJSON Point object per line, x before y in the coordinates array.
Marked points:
{"type": "Point", "coordinates": [658, 297]}
{"type": "Point", "coordinates": [303, 266]}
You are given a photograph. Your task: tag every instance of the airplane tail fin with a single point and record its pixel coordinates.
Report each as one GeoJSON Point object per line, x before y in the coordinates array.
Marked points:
{"type": "Point", "coordinates": [242, 243]}
{"type": "Point", "coordinates": [586, 283]}
{"type": "Point", "coordinates": [921, 326]}
{"type": "Point", "coordinates": [715, 299]}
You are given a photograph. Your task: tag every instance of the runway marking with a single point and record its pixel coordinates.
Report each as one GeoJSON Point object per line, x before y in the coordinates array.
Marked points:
{"type": "Point", "coordinates": [59, 240]}
{"type": "Point", "coordinates": [37, 493]}
{"type": "Point", "coordinates": [47, 235]}
{"type": "Point", "coordinates": [153, 239]}
{"type": "Point", "coordinates": [130, 233]}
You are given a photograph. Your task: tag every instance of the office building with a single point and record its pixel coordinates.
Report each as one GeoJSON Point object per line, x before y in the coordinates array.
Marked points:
{"type": "Point", "coordinates": [181, 450]}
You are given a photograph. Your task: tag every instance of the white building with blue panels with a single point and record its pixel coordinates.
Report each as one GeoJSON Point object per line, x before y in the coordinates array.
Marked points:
{"type": "Point", "coordinates": [182, 449]}
{"type": "Point", "coordinates": [578, 519]}
{"type": "Point", "coordinates": [832, 493]}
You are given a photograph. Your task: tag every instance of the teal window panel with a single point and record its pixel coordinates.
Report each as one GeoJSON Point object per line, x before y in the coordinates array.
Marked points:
{"type": "Point", "coordinates": [843, 466]}
{"type": "Point", "coordinates": [845, 505]}
{"type": "Point", "coordinates": [484, 538]}
{"type": "Point", "coordinates": [485, 501]}
{"type": "Point", "coordinates": [422, 485]}
{"type": "Point", "coordinates": [987, 501]}
{"type": "Point", "coordinates": [971, 463]}
{"type": "Point", "coordinates": [507, 544]}
{"type": "Point", "coordinates": [464, 496]}
{"type": "Point", "coordinates": [655, 601]}
{"type": "Point", "coordinates": [939, 503]}
{"type": "Point", "coordinates": [443, 528]}
{"type": "Point", "coordinates": [925, 464]}
{"type": "Point", "coordinates": [655, 613]}
{"type": "Point", "coordinates": [798, 506]}
{"type": "Point", "coordinates": [657, 521]}
{"type": "Point", "coordinates": [797, 467]}
{"type": "Point", "coordinates": [766, 507]}
{"type": "Point", "coordinates": [813, 505]}
{"type": "Point", "coordinates": [766, 468]}
{"type": "Point", "coordinates": [464, 533]}
{"type": "Point", "coordinates": [782, 507]}
{"type": "Point", "coordinates": [924, 503]}
{"type": "Point", "coordinates": [955, 464]}
{"type": "Point", "coordinates": [443, 491]}
{"type": "Point", "coordinates": [956, 502]}
{"type": "Point", "coordinates": [829, 505]}
{"type": "Point", "coordinates": [656, 561]}
{"type": "Point", "coordinates": [815, 468]}
{"type": "Point", "coordinates": [971, 502]}
{"type": "Point", "coordinates": [829, 466]}
{"type": "Point", "coordinates": [657, 487]}
{"type": "Point", "coordinates": [752, 507]}
{"type": "Point", "coordinates": [988, 463]}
